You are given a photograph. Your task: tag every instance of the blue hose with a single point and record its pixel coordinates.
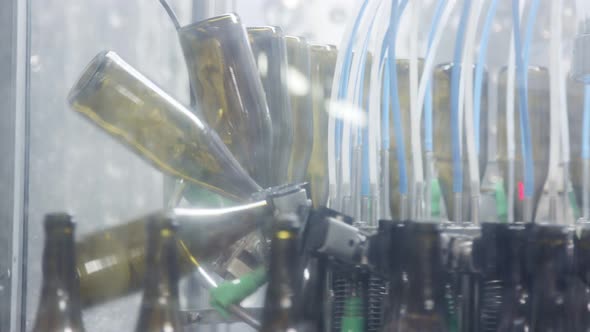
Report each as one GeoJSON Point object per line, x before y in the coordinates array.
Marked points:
{"type": "Point", "coordinates": [343, 84]}
{"type": "Point", "coordinates": [397, 122]}
{"type": "Point", "coordinates": [385, 141]}
{"type": "Point", "coordinates": [481, 61]}
{"type": "Point", "coordinates": [455, 78]}
{"type": "Point", "coordinates": [364, 133]}
{"type": "Point", "coordinates": [525, 133]}
{"type": "Point", "coordinates": [428, 142]}
{"type": "Point", "coordinates": [586, 125]}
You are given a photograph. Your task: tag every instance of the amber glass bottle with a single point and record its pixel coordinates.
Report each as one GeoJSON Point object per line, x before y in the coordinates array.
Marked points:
{"type": "Point", "coordinates": [59, 308]}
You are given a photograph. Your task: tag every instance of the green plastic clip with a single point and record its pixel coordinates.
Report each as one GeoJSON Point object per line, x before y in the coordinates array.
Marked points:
{"type": "Point", "coordinates": [235, 291]}
{"type": "Point", "coordinates": [353, 320]}
{"type": "Point", "coordinates": [435, 195]}
{"type": "Point", "coordinates": [501, 201]}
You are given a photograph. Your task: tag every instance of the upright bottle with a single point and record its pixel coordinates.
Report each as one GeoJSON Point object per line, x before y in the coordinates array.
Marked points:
{"type": "Point", "coordinates": [59, 307]}
{"type": "Point", "coordinates": [159, 307]}
{"type": "Point", "coordinates": [422, 306]}
{"type": "Point", "coordinates": [282, 307]}
{"type": "Point", "coordinates": [549, 267]}
{"type": "Point", "coordinates": [505, 293]}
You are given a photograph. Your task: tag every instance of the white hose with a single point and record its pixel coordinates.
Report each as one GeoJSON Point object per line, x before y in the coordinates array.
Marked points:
{"type": "Point", "coordinates": [416, 113]}
{"type": "Point", "coordinates": [376, 79]}
{"type": "Point", "coordinates": [466, 88]}
{"type": "Point", "coordinates": [510, 134]}
{"type": "Point", "coordinates": [335, 105]}
{"type": "Point", "coordinates": [556, 103]}
{"type": "Point", "coordinates": [429, 62]}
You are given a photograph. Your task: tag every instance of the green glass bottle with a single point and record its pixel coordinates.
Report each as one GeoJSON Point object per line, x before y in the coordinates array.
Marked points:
{"type": "Point", "coordinates": [135, 111]}
{"type": "Point", "coordinates": [59, 308]}
{"type": "Point", "coordinates": [323, 64]}
{"type": "Point", "coordinates": [298, 57]}
{"type": "Point", "coordinates": [282, 307]}
{"type": "Point", "coordinates": [269, 49]}
{"type": "Point", "coordinates": [111, 262]}
{"type": "Point", "coordinates": [159, 306]}
{"type": "Point", "coordinates": [228, 90]}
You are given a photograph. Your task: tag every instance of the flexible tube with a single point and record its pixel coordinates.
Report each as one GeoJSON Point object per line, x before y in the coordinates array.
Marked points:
{"type": "Point", "coordinates": [397, 122]}
{"type": "Point", "coordinates": [379, 120]}
{"type": "Point", "coordinates": [430, 57]}
{"type": "Point", "coordinates": [429, 62]}
{"type": "Point", "coordinates": [529, 167]}
{"type": "Point", "coordinates": [479, 70]}
{"type": "Point", "coordinates": [428, 146]}
{"type": "Point", "coordinates": [455, 111]}
{"type": "Point", "coordinates": [466, 86]}
{"type": "Point", "coordinates": [586, 154]}
{"type": "Point", "coordinates": [351, 154]}
{"type": "Point", "coordinates": [415, 125]}
{"type": "Point", "coordinates": [428, 142]}
{"type": "Point", "coordinates": [343, 63]}
{"type": "Point", "coordinates": [510, 133]}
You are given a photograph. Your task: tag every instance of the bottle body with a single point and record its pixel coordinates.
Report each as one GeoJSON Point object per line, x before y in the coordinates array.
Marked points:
{"type": "Point", "coordinates": [111, 262]}
{"type": "Point", "coordinates": [132, 109]}
{"type": "Point", "coordinates": [59, 308]}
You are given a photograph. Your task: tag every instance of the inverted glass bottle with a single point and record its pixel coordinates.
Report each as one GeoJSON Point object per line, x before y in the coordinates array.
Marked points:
{"type": "Point", "coordinates": [270, 53]}
{"type": "Point", "coordinates": [299, 82]}
{"type": "Point", "coordinates": [323, 64]}
{"type": "Point", "coordinates": [135, 111]}
{"type": "Point", "coordinates": [228, 90]}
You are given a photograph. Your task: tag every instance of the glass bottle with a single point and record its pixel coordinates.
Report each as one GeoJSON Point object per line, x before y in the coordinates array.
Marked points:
{"type": "Point", "coordinates": [323, 64]}
{"type": "Point", "coordinates": [422, 298]}
{"type": "Point", "coordinates": [135, 111]}
{"type": "Point", "coordinates": [159, 306]}
{"type": "Point", "coordinates": [282, 307]}
{"type": "Point", "coordinates": [59, 308]}
{"type": "Point", "coordinates": [228, 90]}
{"type": "Point", "coordinates": [549, 268]}
{"type": "Point", "coordinates": [539, 117]}
{"type": "Point", "coordinates": [270, 53]}
{"type": "Point", "coordinates": [299, 85]}
{"type": "Point", "coordinates": [111, 262]}
{"type": "Point", "coordinates": [505, 294]}
{"type": "Point", "coordinates": [581, 291]}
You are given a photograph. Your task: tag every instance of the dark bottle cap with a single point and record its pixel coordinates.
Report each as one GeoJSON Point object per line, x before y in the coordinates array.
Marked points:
{"type": "Point", "coordinates": [58, 221]}
{"type": "Point", "coordinates": [161, 221]}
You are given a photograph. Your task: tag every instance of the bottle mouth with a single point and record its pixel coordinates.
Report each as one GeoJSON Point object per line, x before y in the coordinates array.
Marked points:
{"type": "Point", "coordinates": [213, 22]}
{"type": "Point", "coordinates": [59, 221]}
{"type": "Point", "coordinates": [88, 74]}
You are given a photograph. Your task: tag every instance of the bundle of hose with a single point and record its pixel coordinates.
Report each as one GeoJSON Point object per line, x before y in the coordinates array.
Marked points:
{"type": "Point", "coordinates": [456, 128]}
{"type": "Point", "coordinates": [529, 167]}
{"type": "Point", "coordinates": [438, 11]}
{"type": "Point", "coordinates": [511, 147]}
{"type": "Point", "coordinates": [466, 88]}
{"type": "Point", "coordinates": [415, 125]}
{"type": "Point", "coordinates": [343, 63]}
{"type": "Point", "coordinates": [554, 148]}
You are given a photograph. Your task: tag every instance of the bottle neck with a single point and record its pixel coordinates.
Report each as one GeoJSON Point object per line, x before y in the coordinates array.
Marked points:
{"type": "Point", "coordinates": [59, 307]}
{"type": "Point", "coordinates": [281, 309]}
{"type": "Point", "coordinates": [59, 273]}
{"type": "Point", "coordinates": [425, 274]}
{"type": "Point", "coordinates": [161, 278]}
